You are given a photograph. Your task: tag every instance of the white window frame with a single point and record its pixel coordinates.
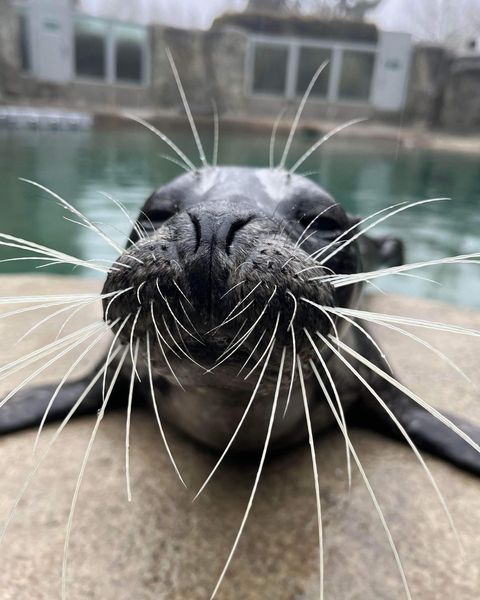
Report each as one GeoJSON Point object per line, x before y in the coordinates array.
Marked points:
{"type": "Point", "coordinates": [293, 45]}
{"type": "Point", "coordinates": [110, 58]}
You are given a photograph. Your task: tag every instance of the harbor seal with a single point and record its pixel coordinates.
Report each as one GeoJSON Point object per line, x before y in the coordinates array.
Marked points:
{"type": "Point", "coordinates": [231, 271]}
{"type": "Point", "coordinates": [238, 291]}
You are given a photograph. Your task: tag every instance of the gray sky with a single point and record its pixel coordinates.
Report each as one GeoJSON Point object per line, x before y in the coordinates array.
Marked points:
{"type": "Point", "coordinates": [426, 19]}
{"type": "Point", "coordinates": [180, 13]}
{"type": "Point", "coordinates": [449, 21]}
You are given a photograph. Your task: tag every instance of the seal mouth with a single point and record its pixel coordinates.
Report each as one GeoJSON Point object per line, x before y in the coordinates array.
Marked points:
{"type": "Point", "coordinates": [216, 309]}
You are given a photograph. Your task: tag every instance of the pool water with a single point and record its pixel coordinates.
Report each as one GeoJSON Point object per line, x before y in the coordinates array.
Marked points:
{"type": "Point", "coordinates": [128, 164]}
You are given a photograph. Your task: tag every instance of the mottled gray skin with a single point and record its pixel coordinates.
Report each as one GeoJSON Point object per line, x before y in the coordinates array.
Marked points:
{"type": "Point", "coordinates": [214, 236]}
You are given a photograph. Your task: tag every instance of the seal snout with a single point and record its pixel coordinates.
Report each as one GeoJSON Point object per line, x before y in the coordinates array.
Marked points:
{"type": "Point", "coordinates": [217, 232]}
{"type": "Point", "coordinates": [209, 250]}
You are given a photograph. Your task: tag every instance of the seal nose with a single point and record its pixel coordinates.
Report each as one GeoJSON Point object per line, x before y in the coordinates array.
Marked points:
{"type": "Point", "coordinates": [217, 231]}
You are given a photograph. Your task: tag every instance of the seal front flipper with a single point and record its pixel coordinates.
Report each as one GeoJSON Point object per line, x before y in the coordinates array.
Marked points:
{"type": "Point", "coordinates": [429, 434]}
{"type": "Point", "coordinates": [26, 408]}
{"type": "Point", "coordinates": [426, 431]}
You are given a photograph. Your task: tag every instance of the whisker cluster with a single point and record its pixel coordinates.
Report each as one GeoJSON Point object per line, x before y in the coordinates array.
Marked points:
{"type": "Point", "coordinates": [287, 327]}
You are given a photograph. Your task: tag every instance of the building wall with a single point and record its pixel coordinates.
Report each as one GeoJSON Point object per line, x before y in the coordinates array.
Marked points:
{"type": "Point", "coordinates": [9, 55]}
{"type": "Point", "coordinates": [461, 101]}
{"type": "Point", "coordinates": [226, 68]}
{"type": "Point", "coordinates": [213, 65]}
{"type": "Point", "coordinates": [210, 65]}
{"type": "Point", "coordinates": [428, 76]}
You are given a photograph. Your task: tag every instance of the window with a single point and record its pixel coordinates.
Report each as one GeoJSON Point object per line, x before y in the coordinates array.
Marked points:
{"type": "Point", "coordinates": [270, 69]}
{"type": "Point", "coordinates": [130, 42]}
{"type": "Point", "coordinates": [309, 61]}
{"type": "Point", "coordinates": [356, 75]}
{"type": "Point", "coordinates": [90, 48]}
{"type": "Point", "coordinates": [23, 45]}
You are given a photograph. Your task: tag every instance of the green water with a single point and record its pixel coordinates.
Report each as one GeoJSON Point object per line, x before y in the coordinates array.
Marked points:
{"type": "Point", "coordinates": [127, 164]}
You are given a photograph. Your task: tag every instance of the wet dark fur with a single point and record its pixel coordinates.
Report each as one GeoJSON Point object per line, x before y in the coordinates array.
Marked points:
{"type": "Point", "coordinates": [208, 231]}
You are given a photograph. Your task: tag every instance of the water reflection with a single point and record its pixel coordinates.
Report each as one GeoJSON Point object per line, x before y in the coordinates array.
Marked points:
{"type": "Point", "coordinates": [128, 164]}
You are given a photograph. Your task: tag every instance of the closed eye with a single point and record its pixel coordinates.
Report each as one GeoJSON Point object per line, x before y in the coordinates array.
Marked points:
{"type": "Point", "coordinates": [319, 223]}
{"type": "Point", "coordinates": [158, 215]}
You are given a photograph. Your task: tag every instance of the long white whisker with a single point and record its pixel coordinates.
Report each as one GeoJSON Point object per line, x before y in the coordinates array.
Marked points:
{"type": "Point", "coordinates": [232, 288]}
{"type": "Point", "coordinates": [53, 439]}
{"type": "Point", "coordinates": [257, 477]}
{"type": "Point", "coordinates": [322, 141]}
{"type": "Point", "coordinates": [292, 376]}
{"type": "Point", "coordinates": [404, 434]}
{"type": "Point", "coordinates": [240, 423]}
{"type": "Point", "coordinates": [117, 295]}
{"type": "Point", "coordinates": [57, 261]}
{"type": "Point", "coordinates": [239, 303]}
{"type": "Point", "coordinates": [175, 161]}
{"type": "Point", "coordinates": [160, 338]}
{"type": "Point", "coordinates": [60, 385]}
{"type": "Point", "coordinates": [186, 106]}
{"type": "Point", "coordinates": [253, 351]}
{"type": "Point", "coordinates": [337, 400]}
{"type": "Point", "coordinates": [237, 334]}
{"type": "Point", "coordinates": [71, 316]}
{"type": "Point", "coordinates": [176, 319]}
{"type": "Point", "coordinates": [115, 338]}
{"type": "Point", "coordinates": [82, 471]}
{"type": "Point", "coordinates": [369, 489]}
{"type": "Point", "coordinates": [125, 212]}
{"type": "Point", "coordinates": [419, 277]}
{"type": "Point", "coordinates": [271, 148]}
{"type": "Point", "coordinates": [90, 225]}
{"type": "Point", "coordinates": [364, 332]}
{"type": "Point", "coordinates": [315, 472]}
{"type": "Point", "coordinates": [36, 355]}
{"type": "Point", "coordinates": [128, 421]}
{"type": "Point", "coordinates": [375, 223]}
{"type": "Point", "coordinates": [51, 299]}
{"type": "Point", "coordinates": [132, 332]}
{"type": "Point", "coordinates": [15, 242]}
{"type": "Point", "coordinates": [412, 337]}
{"type": "Point", "coordinates": [81, 304]}
{"type": "Point", "coordinates": [222, 358]}
{"type": "Point", "coordinates": [317, 253]}
{"type": "Point", "coordinates": [158, 333]}
{"type": "Point", "coordinates": [433, 411]}
{"type": "Point", "coordinates": [182, 293]}
{"type": "Point", "coordinates": [215, 134]}
{"type": "Point", "coordinates": [190, 322]}
{"type": "Point", "coordinates": [179, 348]}
{"type": "Point", "coordinates": [301, 238]}
{"type": "Point", "coordinates": [299, 112]}
{"type": "Point", "coordinates": [157, 415]}
{"type": "Point", "coordinates": [163, 137]}
{"type": "Point", "coordinates": [379, 317]}
{"type": "Point", "coordinates": [76, 212]}
{"type": "Point", "coordinates": [68, 349]}
{"type": "Point", "coordinates": [20, 311]}
{"type": "Point", "coordinates": [341, 281]}
{"type": "Point", "coordinates": [266, 349]}
{"type": "Point", "coordinates": [235, 316]}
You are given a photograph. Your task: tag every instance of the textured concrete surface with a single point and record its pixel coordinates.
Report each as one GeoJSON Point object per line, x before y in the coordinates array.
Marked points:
{"type": "Point", "coordinates": [161, 546]}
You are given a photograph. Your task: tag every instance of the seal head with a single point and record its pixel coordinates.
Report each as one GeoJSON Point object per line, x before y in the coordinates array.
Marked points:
{"type": "Point", "coordinates": [229, 254]}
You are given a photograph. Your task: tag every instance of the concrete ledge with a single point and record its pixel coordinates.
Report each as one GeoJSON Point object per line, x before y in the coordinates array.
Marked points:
{"type": "Point", "coordinates": [163, 546]}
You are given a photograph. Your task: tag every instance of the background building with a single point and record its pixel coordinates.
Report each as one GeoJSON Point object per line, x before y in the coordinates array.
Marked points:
{"type": "Point", "coordinates": [252, 64]}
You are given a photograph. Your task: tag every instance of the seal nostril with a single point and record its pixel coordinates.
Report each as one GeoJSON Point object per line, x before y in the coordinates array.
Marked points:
{"type": "Point", "coordinates": [234, 228]}
{"type": "Point", "coordinates": [198, 230]}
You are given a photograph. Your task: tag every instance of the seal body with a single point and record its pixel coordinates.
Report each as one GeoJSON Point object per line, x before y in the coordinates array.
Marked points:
{"type": "Point", "coordinates": [224, 293]}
